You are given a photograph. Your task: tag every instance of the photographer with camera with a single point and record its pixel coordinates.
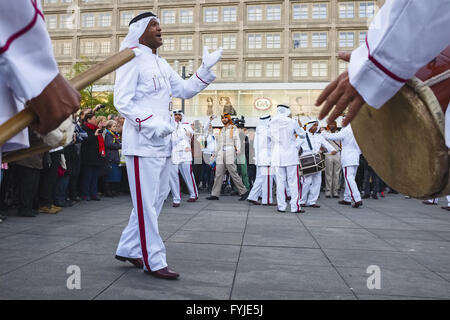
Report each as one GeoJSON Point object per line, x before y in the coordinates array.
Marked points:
{"type": "Point", "coordinates": [92, 157]}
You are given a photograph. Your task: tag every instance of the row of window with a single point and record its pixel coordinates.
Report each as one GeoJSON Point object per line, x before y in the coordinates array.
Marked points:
{"type": "Point", "coordinates": [300, 40]}
{"type": "Point", "coordinates": [303, 11]}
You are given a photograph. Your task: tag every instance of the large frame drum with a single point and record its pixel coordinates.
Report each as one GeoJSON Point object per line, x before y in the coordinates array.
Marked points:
{"type": "Point", "coordinates": [403, 141]}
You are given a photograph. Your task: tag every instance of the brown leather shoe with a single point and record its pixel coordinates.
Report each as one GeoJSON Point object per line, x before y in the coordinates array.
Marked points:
{"type": "Point", "coordinates": [192, 200]}
{"type": "Point", "coordinates": [345, 203]}
{"type": "Point", "coordinates": [176, 205]}
{"type": "Point", "coordinates": [357, 204]}
{"type": "Point", "coordinates": [164, 273]}
{"type": "Point", "coordinates": [256, 203]}
{"type": "Point", "coordinates": [137, 262]}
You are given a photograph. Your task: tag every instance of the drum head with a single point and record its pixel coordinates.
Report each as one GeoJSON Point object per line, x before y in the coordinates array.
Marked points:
{"type": "Point", "coordinates": [404, 144]}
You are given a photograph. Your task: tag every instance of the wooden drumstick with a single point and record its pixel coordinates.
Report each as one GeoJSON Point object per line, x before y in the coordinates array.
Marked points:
{"type": "Point", "coordinates": [27, 116]}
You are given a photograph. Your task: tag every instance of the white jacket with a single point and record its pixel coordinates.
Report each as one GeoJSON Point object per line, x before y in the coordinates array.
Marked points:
{"type": "Point", "coordinates": [284, 144]}
{"type": "Point", "coordinates": [262, 143]}
{"type": "Point", "coordinates": [181, 142]}
{"type": "Point", "coordinates": [142, 94]}
{"type": "Point", "coordinates": [210, 139]}
{"type": "Point", "coordinates": [317, 142]}
{"type": "Point", "coordinates": [350, 150]}
{"type": "Point", "coordinates": [27, 64]}
{"type": "Point", "coordinates": [403, 37]}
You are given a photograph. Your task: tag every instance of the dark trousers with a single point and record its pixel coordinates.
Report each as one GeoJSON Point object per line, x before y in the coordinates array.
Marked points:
{"type": "Point", "coordinates": [74, 177]}
{"type": "Point", "coordinates": [28, 183]}
{"type": "Point", "coordinates": [62, 186]}
{"type": "Point", "coordinates": [370, 173]}
{"type": "Point", "coordinates": [89, 181]}
{"type": "Point", "coordinates": [207, 176]}
{"type": "Point", "coordinates": [49, 176]}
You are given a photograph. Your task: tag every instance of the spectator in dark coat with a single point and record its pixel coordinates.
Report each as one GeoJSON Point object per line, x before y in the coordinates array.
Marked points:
{"type": "Point", "coordinates": [92, 157]}
{"type": "Point", "coordinates": [112, 146]}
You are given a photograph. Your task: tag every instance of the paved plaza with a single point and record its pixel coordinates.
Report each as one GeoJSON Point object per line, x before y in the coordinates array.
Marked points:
{"type": "Point", "coordinates": [229, 249]}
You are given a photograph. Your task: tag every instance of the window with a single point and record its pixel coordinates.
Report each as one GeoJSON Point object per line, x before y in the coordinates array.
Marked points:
{"type": "Point", "coordinates": [300, 40]}
{"type": "Point", "coordinates": [343, 65]}
{"type": "Point", "coordinates": [67, 48]}
{"type": "Point", "coordinates": [273, 41]}
{"type": "Point", "coordinates": [255, 13]}
{"type": "Point", "coordinates": [49, 2]}
{"type": "Point", "coordinates": [366, 9]}
{"type": "Point", "coordinates": [319, 69]}
{"type": "Point", "coordinates": [168, 16]}
{"type": "Point", "coordinates": [254, 69]}
{"type": "Point", "coordinates": [300, 69]}
{"type": "Point", "coordinates": [319, 39]}
{"type": "Point", "coordinates": [254, 41]}
{"type": "Point", "coordinates": [362, 37]}
{"type": "Point", "coordinates": [346, 39]}
{"type": "Point", "coordinates": [186, 43]}
{"type": "Point", "coordinates": [88, 20]}
{"type": "Point", "coordinates": [105, 47]}
{"type": "Point", "coordinates": [300, 12]}
{"type": "Point", "coordinates": [186, 16]}
{"type": "Point", "coordinates": [66, 21]}
{"type": "Point", "coordinates": [52, 22]}
{"type": "Point", "coordinates": [87, 48]}
{"type": "Point", "coordinates": [273, 13]}
{"type": "Point", "coordinates": [169, 44]}
{"type": "Point", "coordinates": [319, 11]}
{"type": "Point", "coordinates": [273, 69]}
{"type": "Point", "coordinates": [125, 18]}
{"type": "Point", "coordinates": [229, 42]}
{"type": "Point", "coordinates": [104, 20]}
{"type": "Point", "coordinates": [211, 15]}
{"type": "Point", "coordinates": [229, 14]}
{"type": "Point", "coordinates": [211, 42]}
{"type": "Point", "coordinates": [228, 70]}
{"type": "Point", "coordinates": [346, 10]}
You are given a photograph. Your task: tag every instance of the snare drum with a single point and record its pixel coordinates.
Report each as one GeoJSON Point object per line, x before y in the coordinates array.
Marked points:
{"type": "Point", "coordinates": [312, 163]}
{"type": "Point", "coordinates": [404, 140]}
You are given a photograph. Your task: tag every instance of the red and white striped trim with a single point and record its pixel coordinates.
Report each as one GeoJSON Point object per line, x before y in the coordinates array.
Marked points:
{"type": "Point", "coordinates": [140, 212]}
{"type": "Point", "coordinates": [193, 184]}
{"type": "Point", "coordinates": [139, 121]}
{"type": "Point", "coordinates": [383, 68]}
{"type": "Point", "coordinates": [201, 79]}
{"type": "Point", "coordinates": [23, 31]}
{"type": "Point", "coordinates": [351, 192]}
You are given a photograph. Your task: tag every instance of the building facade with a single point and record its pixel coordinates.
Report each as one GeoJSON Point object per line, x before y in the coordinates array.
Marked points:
{"type": "Point", "coordinates": [275, 51]}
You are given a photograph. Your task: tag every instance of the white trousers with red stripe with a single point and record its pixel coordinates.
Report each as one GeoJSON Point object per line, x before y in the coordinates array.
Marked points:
{"type": "Point", "coordinates": [351, 192]}
{"type": "Point", "coordinates": [188, 176]}
{"type": "Point", "coordinates": [311, 188]}
{"type": "Point", "coordinates": [149, 187]}
{"type": "Point", "coordinates": [291, 176]}
{"type": "Point", "coordinates": [263, 185]}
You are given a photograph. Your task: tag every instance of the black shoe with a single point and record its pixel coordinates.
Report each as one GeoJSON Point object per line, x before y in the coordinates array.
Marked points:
{"type": "Point", "coordinates": [244, 196]}
{"type": "Point", "coordinates": [282, 211]}
{"type": "Point", "coordinates": [212, 198]}
{"type": "Point", "coordinates": [337, 197]}
{"type": "Point", "coordinates": [357, 204]}
{"type": "Point", "coordinates": [28, 213]}
{"type": "Point", "coordinates": [374, 196]}
{"type": "Point", "coordinates": [95, 199]}
{"type": "Point", "coordinates": [328, 197]}
{"type": "Point", "coordinates": [366, 196]}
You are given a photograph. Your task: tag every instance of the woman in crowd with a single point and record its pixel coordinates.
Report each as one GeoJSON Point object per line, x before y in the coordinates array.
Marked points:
{"type": "Point", "coordinates": [112, 146]}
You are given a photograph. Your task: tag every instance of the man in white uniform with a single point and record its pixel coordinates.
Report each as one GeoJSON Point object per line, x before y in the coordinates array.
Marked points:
{"type": "Point", "coordinates": [263, 184]}
{"type": "Point", "coordinates": [182, 160]}
{"type": "Point", "coordinates": [285, 159]}
{"type": "Point", "coordinates": [404, 36]}
{"type": "Point", "coordinates": [312, 144]}
{"type": "Point", "coordinates": [350, 161]}
{"type": "Point", "coordinates": [143, 95]}
{"type": "Point", "coordinates": [333, 166]}
{"type": "Point", "coordinates": [28, 72]}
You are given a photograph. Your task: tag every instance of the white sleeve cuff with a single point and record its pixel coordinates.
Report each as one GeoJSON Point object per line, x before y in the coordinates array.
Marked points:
{"type": "Point", "coordinates": [205, 76]}
{"type": "Point", "coordinates": [372, 84]}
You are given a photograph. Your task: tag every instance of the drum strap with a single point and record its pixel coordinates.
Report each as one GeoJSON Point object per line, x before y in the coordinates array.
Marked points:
{"type": "Point", "coordinates": [309, 142]}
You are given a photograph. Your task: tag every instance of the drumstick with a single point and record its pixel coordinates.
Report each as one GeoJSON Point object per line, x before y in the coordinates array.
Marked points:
{"type": "Point", "coordinates": [27, 116]}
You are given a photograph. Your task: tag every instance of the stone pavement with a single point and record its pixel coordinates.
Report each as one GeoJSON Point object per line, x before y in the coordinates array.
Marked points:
{"type": "Point", "coordinates": [229, 249]}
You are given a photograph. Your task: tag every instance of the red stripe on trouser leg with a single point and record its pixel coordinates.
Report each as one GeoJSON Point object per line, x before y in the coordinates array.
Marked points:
{"type": "Point", "coordinates": [298, 189]}
{"type": "Point", "coordinates": [346, 179]}
{"type": "Point", "coordinates": [268, 185]}
{"type": "Point", "coordinates": [140, 211]}
{"type": "Point", "coordinates": [193, 184]}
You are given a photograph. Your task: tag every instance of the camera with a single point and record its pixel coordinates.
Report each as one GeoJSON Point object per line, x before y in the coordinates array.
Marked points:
{"type": "Point", "coordinates": [239, 122]}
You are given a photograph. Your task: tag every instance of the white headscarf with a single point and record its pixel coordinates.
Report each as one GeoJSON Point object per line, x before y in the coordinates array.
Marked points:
{"type": "Point", "coordinates": [310, 124]}
{"type": "Point", "coordinates": [135, 32]}
{"type": "Point", "coordinates": [282, 111]}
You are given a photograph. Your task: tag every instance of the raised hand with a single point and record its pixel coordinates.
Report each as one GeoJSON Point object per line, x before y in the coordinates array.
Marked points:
{"type": "Point", "coordinates": [210, 59]}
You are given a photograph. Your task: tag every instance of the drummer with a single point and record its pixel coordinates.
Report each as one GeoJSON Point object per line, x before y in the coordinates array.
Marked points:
{"type": "Point", "coordinates": [404, 36]}
{"type": "Point", "coordinates": [312, 145]}
{"type": "Point", "coordinates": [26, 51]}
